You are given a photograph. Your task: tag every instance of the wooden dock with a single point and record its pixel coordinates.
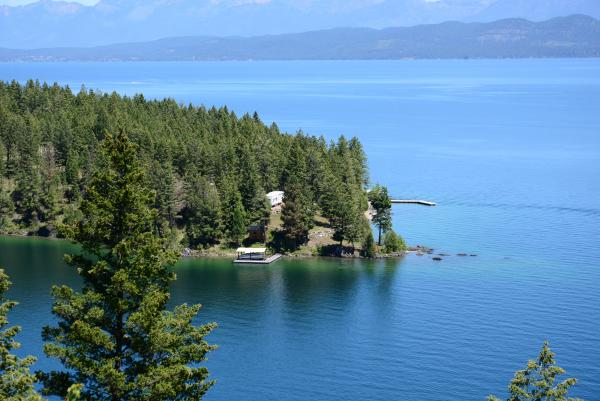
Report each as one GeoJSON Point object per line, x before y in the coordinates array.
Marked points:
{"type": "Point", "coordinates": [414, 202]}
{"type": "Point", "coordinates": [266, 261]}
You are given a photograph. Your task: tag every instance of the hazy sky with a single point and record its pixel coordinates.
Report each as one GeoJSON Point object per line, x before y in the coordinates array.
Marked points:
{"type": "Point", "coordinates": [21, 2]}
{"type": "Point", "coordinates": [142, 20]}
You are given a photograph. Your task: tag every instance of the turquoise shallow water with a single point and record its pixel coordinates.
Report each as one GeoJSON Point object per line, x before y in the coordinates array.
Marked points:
{"type": "Point", "coordinates": [510, 150]}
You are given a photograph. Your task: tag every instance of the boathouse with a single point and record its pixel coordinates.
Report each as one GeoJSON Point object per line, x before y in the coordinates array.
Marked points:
{"type": "Point", "coordinates": [251, 253]}
{"type": "Point", "coordinates": [255, 255]}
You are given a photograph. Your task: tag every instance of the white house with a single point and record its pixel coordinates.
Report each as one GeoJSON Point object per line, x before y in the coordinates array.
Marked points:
{"type": "Point", "coordinates": [275, 197]}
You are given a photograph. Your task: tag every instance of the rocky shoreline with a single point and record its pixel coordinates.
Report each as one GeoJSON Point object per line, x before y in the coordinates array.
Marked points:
{"type": "Point", "coordinates": [340, 252]}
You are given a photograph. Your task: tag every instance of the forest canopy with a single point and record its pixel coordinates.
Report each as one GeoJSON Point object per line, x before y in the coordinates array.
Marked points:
{"type": "Point", "coordinates": [209, 168]}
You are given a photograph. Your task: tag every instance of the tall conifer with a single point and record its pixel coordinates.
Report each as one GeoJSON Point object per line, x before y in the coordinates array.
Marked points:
{"type": "Point", "coordinates": [202, 211]}
{"type": "Point", "coordinates": [382, 204]}
{"type": "Point", "coordinates": [537, 382]}
{"type": "Point", "coordinates": [16, 381]}
{"type": "Point", "coordinates": [115, 336]}
{"type": "Point", "coordinates": [297, 212]}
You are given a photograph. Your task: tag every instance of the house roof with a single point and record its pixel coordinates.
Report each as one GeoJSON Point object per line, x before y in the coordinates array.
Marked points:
{"type": "Point", "coordinates": [275, 193]}
{"type": "Point", "coordinates": [251, 250]}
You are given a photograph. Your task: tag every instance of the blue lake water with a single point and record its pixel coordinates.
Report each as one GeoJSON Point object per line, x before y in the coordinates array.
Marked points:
{"type": "Point", "coordinates": [510, 150]}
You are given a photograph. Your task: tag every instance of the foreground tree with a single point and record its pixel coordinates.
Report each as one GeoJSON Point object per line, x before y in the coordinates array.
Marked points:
{"type": "Point", "coordinates": [16, 381]}
{"type": "Point", "coordinates": [381, 202]}
{"type": "Point", "coordinates": [537, 381]}
{"type": "Point", "coordinates": [115, 336]}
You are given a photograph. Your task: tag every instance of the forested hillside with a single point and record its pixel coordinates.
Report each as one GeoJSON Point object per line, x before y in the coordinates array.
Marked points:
{"type": "Point", "coordinates": [573, 36]}
{"type": "Point", "coordinates": [210, 169]}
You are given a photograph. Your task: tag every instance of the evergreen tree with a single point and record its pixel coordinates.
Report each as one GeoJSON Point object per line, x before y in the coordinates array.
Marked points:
{"type": "Point", "coordinates": [358, 161]}
{"type": "Point", "coordinates": [28, 194]}
{"type": "Point", "coordinates": [252, 193]}
{"type": "Point", "coordinates": [115, 336]}
{"type": "Point", "coordinates": [162, 181]}
{"type": "Point", "coordinates": [50, 193]}
{"type": "Point", "coordinates": [297, 216]}
{"type": "Point", "coordinates": [234, 214]}
{"type": "Point", "coordinates": [2, 156]}
{"type": "Point", "coordinates": [12, 129]}
{"type": "Point", "coordinates": [202, 212]}
{"type": "Point", "coordinates": [537, 381]}
{"type": "Point", "coordinates": [72, 168]}
{"type": "Point", "coordinates": [297, 212]}
{"type": "Point", "coordinates": [392, 242]}
{"type": "Point", "coordinates": [237, 228]}
{"type": "Point", "coordinates": [382, 204]}
{"type": "Point", "coordinates": [16, 381]}
{"type": "Point", "coordinates": [260, 209]}
{"type": "Point", "coordinates": [7, 209]}
{"type": "Point", "coordinates": [346, 217]}
{"type": "Point", "coordinates": [368, 245]}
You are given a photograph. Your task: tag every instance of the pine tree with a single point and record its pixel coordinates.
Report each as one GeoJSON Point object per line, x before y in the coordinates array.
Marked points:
{"type": "Point", "coordinates": [237, 228]}
{"type": "Point", "coordinates": [162, 181]}
{"type": "Point", "coordinates": [382, 204]}
{"type": "Point", "coordinates": [346, 217]}
{"type": "Point", "coordinates": [252, 193]}
{"type": "Point", "coordinates": [7, 209]}
{"type": "Point", "coordinates": [392, 242]}
{"type": "Point", "coordinates": [2, 155]}
{"type": "Point", "coordinates": [368, 245]}
{"type": "Point", "coordinates": [29, 196]}
{"type": "Point", "coordinates": [115, 336]}
{"type": "Point", "coordinates": [202, 212]}
{"type": "Point", "coordinates": [297, 212]}
{"type": "Point", "coordinates": [233, 212]}
{"type": "Point", "coordinates": [537, 381]}
{"type": "Point", "coordinates": [16, 381]}
{"type": "Point", "coordinates": [297, 216]}
{"type": "Point", "coordinates": [50, 193]}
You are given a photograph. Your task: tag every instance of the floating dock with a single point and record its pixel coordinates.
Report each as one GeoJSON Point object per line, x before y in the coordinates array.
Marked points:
{"type": "Point", "coordinates": [414, 202]}
{"type": "Point", "coordinates": [266, 261]}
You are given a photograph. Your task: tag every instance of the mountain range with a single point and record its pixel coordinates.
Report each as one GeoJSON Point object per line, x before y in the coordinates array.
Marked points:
{"type": "Point", "coordinates": [573, 36]}
{"type": "Point", "coordinates": [48, 23]}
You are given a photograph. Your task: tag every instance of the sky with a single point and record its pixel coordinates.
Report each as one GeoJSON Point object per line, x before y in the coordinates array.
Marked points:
{"type": "Point", "coordinates": [91, 2]}
{"type": "Point", "coordinates": [22, 2]}
{"type": "Point", "coordinates": [113, 21]}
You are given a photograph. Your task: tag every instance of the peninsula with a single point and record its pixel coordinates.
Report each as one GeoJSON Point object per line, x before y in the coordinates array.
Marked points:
{"type": "Point", "coordinates": [209, 171]}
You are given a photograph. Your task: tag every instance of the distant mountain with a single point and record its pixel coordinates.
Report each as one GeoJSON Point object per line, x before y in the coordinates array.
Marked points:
{"type": "Point", "coordinates": [574, 36]}
{"type": "Point", "coordinates": [49, 23]}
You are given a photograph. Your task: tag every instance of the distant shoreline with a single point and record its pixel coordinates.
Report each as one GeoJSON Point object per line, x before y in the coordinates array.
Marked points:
{"type": "Point", "coordinates": [125, 61]}
{"type": "Point", "coordinates": [574, 36]}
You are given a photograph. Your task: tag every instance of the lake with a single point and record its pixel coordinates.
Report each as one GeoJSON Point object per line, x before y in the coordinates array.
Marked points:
{"type": "Point", "coordinates": [510, 151]}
